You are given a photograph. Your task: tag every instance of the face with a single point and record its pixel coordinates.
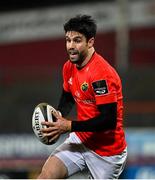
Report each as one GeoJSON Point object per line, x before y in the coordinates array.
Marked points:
{"type": "Point", "coordinates": [77, 47]}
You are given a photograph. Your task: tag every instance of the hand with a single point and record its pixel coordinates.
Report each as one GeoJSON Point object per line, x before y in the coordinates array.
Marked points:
{"type": "Point", "coordinates": [55, 129]}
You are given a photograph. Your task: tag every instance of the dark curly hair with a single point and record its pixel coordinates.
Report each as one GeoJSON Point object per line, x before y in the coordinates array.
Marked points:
{"type": "Point", "coordinates": [83, 24]}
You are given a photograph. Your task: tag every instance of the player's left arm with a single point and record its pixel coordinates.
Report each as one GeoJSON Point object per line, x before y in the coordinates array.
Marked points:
{"type": "Point", "coordinates": [105, 121]}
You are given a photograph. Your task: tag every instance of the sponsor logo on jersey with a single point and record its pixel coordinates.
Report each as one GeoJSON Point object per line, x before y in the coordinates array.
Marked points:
{"type": "Point", "coordinates": [84, 86]}
{"type": "Point", "coordinates": [100, 87]}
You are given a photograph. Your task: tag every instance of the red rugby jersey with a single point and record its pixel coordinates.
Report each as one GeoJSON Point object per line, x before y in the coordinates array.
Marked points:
{"type": "Point", "coordinates": [96, 83]}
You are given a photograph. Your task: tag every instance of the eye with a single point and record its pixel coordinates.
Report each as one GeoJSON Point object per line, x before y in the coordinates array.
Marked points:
{"type": "Point", "coordinates": [77, 40]}
{"type": "Point", "coordinates": [68, 40]}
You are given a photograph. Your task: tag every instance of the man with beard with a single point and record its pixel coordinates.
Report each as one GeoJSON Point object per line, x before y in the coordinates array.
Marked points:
{"type": "Point", "coordinates": [96, 140]}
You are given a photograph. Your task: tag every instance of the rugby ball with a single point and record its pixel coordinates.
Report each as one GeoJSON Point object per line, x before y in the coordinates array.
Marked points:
{"type": "Point", "coordinates": [42, 112]}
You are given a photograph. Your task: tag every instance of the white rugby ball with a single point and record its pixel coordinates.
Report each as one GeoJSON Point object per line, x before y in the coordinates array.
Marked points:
{"type": "Point", "coordinates": [42, 112]}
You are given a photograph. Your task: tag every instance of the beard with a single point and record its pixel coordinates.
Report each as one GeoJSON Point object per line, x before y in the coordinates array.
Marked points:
{"type": "Point", "coordinates": [76, 57]}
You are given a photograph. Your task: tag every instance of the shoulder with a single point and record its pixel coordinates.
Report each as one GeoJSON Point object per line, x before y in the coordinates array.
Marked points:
{"type": "Point", "coordinates": [67, 66]}
{"type": "Point", "coordinates": [100, 64]}
{"type": "Point", "coordinates": [102, 68]}
{"type": "Point", "coordinates": [100, 61]}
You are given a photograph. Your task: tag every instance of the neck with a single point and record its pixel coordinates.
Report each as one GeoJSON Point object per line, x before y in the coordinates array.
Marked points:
{"type": "Point", "coordinates": [90, 53]}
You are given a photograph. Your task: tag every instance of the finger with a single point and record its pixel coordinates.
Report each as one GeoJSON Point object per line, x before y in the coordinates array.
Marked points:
{"type": "Point", "coordinates": [54, 138]}
{"type": "Point", "coordinates": [47, 123]}
{"type": "Point", "coordinates": [56, 114]}
{"type": "Point", "coordinates": [51, 134]}
{"type": "Point", "coordinates": [48, 129]}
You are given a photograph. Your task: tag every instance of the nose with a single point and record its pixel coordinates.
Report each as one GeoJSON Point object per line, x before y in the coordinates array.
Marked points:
{"type": "Point", "coordinates": [71, 45]}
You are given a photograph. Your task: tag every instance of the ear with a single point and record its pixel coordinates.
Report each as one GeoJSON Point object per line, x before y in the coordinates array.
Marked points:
{"type": "Point", "coordinates": [91, 42]}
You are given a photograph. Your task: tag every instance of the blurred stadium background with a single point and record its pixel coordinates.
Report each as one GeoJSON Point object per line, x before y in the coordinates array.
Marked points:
{"type": "Point", "coordinates": [32, 52]}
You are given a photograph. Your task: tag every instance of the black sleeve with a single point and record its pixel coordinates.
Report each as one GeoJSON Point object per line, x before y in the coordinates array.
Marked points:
{"type": "Point", "coordinates": [66, 103]}
{"type": "Point", "coordinates": [105, 121]}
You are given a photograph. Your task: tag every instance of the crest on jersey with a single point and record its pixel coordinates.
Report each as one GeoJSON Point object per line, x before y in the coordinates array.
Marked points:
{"type": "Point", "coordinates": [84, 86]}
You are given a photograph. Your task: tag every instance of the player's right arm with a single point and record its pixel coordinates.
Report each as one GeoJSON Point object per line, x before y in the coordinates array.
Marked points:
{"type": "Point", "coordinates": [66, 103]}
{"type": "Point", "coordinates": [62, 125]}
{"type": "Point", "coordinates": [66, 100]}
